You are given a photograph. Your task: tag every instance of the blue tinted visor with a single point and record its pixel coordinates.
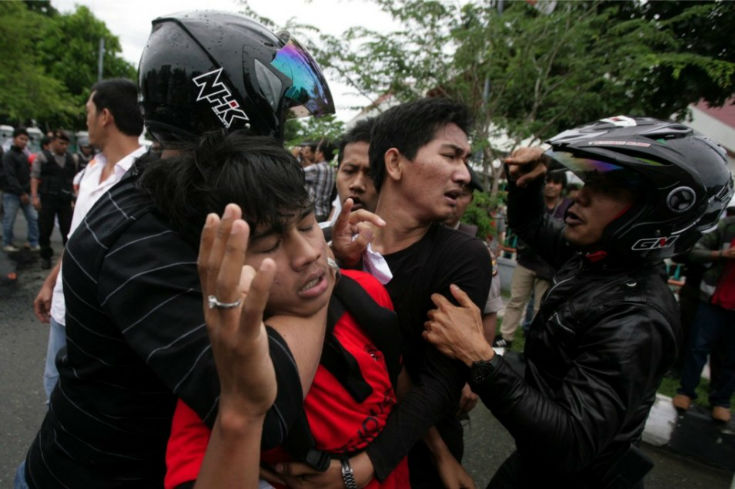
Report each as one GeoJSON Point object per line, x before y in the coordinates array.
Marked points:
{"type": "Point", "coordinates": [582, 167]}
{"type": "Point", "coordinates": [309, 93]}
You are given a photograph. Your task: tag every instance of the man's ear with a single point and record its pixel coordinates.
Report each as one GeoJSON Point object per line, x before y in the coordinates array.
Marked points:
{"type": "Point", "coordinates": [107, 117]}
{"type": "Point", "coordinates": [393, 163]}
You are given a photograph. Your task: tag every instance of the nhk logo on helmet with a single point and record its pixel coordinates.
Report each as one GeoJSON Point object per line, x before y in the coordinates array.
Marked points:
{"type": "Point", "coordinates": [654, 243]}
{"type": "Point", "coordinates": [220, 98]}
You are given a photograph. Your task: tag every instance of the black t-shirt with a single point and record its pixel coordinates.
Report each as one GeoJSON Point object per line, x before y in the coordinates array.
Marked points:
{"type": "Point", "coordinates": [136, 341]}
{"type": "Point", "coordinates": [441, 258]}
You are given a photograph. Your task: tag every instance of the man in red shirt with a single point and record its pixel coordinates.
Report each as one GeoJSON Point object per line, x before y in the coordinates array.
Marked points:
{"type": "Point", "coordinates": [352, 391]}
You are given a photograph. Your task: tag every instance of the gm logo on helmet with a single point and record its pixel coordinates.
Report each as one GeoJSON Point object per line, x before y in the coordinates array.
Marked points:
{"type": "Point", "coordinates": [220, 98]}
{"type": "Point", "coordinates": [646, 244]}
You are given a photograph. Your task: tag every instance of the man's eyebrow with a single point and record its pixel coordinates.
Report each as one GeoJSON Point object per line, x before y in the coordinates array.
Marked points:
{"type": "Point", "coordinates": [456, 148]}
{"type": "Point", "coordinates": [262, 234]}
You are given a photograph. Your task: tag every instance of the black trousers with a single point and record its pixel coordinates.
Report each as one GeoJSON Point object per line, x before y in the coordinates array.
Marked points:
{"type": "Point", "coordinates": [512, 475]}
{"type": "Point", "coordinates": [53, 206]}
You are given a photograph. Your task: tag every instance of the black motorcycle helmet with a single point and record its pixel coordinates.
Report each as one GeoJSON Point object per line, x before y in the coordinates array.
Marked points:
{"type": "Point", "coordinates": [206, 70]}
{"type": "Point", "coordinates": [679, 177]}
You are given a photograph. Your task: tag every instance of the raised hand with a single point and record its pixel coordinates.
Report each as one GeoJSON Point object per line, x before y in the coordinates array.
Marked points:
{"type": "Point", "coordinates": [352, 232]}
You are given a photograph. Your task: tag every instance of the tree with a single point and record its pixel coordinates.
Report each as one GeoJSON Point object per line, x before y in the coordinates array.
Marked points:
{"type": "Point", "coordinates": [68, 47]}
{"type": "Point", "coordinates": [313, 129]}
{"type": "Point", "coordinates": [27, 92]}
{"type": "Point", "coordinates": [49, 62]}
{"type": "Point", "coordinates": [528, 75]}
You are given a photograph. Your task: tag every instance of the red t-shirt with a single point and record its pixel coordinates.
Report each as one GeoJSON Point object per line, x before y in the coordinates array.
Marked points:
{"type": "Point", "coordinates": [339, 423]}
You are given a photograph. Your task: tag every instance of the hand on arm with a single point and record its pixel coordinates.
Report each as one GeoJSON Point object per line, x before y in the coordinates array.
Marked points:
{"type": "Point", "coordinates": [457, 331]}
{"type": "Point", "coordinates": [300, 476]}
{"type": "Point", "coordinates": [352, 232]}
{"type": "Point", "coordinates": [240, 348]}
{"type": "Point", "coordinates": [42, 302]}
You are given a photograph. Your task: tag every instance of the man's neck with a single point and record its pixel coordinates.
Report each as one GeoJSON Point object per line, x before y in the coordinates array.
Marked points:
{"type": "Point", "coordinates": [114, 150]}
{"type": "Point", "coordinates": [402, 228]}
{"type": "Point", "coordinates": [552, 202]}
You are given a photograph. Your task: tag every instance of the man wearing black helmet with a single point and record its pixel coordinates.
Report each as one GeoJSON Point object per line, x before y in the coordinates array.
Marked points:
{"type": "Point", "coordinates": [136, 339]}
{"type": "Point", "coordinates": [608, 328]}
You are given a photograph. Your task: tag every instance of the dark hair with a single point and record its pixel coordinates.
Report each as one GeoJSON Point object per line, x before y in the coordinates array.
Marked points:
{"type": "Point", "coordinates": [18, 131]}
{"type": "Point", "coordinates": [254, 172]}
{"type": "Point", "coordinates": [45, 141]}
{"type": "Point", "coordinates": [360, 133]}
{"type": "Point", "coordinates": [408, 127]}
{"type": "Point", "coordinates": [311, 144]}
{"type": "Point", "coordinates": [120, 97]}
{"type": "Point", "coordinates": [327, 149]}
{"type": "Point", "coordinates": [557, 177]}
{"type": "Point", "coordinates": [59, 134]}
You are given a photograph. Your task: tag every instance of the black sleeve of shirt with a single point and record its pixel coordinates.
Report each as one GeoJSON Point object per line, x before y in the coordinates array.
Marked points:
{"type": "Point", "coordinates": [150, 286]}
{"type": "Point", "coordinates": [464, 262]}
{"type": "Point", "coordinates": [541, 232]}
{"type": "Point", "coordinates": [606, 383]}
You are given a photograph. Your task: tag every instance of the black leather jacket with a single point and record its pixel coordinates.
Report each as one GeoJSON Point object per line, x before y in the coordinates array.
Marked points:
{"type": "Point", "coordinates": [606, 333]}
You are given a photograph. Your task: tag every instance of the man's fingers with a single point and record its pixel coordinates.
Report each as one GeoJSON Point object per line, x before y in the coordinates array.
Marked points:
{"type": "Point", "coordinates": [365, 216]}
{"type": "Point", "coordinates": [343, 218]}
{"type": "Point", "coordinates": [439, 300]}
{"type": "Point", "coordinates": [257, 298]}
{"type": "Point", "coordinates": [294, 469]}
{"type": "Point", "coordinates": [233, 258]}
{"type": "Point", "coordinates": [462, 298]}
{"type": "Point", "coordinates": [205, 247]}
{"type": "Point", "coordinates": [531, 175]}
{"type": "Point", "coordinates": [222, 234]}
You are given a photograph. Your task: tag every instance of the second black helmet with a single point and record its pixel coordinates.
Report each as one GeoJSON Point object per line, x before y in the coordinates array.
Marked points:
{"type": "Point", "coordinates": [206, 70]}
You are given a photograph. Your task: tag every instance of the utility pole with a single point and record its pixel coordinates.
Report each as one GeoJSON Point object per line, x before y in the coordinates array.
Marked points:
{"type": "Point", "coordinates": [100, 58]}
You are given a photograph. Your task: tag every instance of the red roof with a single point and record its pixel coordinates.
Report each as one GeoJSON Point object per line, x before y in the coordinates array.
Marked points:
{"type": "Point", "coordinates": [724, 114]}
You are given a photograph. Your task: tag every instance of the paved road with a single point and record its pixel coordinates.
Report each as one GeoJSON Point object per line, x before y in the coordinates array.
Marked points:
{"type": "Point", "coordinates": [22, 352]}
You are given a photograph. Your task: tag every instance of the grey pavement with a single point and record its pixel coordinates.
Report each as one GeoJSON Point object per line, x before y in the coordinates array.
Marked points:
{"type": "Point", "coordinates": [23, 347]}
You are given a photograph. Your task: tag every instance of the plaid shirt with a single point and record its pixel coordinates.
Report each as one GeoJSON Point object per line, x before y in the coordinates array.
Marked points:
{"type": "Point", "coordinates": [319, 179]}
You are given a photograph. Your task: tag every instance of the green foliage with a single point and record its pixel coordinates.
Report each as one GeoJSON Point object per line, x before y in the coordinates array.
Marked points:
{"type": "Point", "coordinates": [530, 75]}
{"type": "Point", "coordinates": [26, 90]}
{"type": "Point", "coordinates": [49, 62]}
{"type": "Point", "coordinates": [298, 131]}
{"type": "Point", "coordinates": [478, 213]}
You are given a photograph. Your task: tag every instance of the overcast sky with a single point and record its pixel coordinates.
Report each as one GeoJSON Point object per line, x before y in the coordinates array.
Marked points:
{"type": "Point", "coordinates": [130, 20]}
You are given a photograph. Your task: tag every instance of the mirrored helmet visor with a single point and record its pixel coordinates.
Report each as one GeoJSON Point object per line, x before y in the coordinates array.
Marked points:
{"type": "Point", "coordinates": [584, 168]}
{"type": "Point", "coordinates": [309, 92]}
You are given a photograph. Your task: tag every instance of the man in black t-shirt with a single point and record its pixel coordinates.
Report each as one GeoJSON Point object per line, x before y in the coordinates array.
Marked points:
{"type": "Point", "coordinates": [418, 159]}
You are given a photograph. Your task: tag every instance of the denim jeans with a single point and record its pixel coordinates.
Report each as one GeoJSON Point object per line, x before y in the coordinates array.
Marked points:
{"type": "Point", "coordinates": [11, 204]}
{"type": "Point", "coordinates": [712, 326]}
{"type": "Point", "coordinates": [56, 341]}
{"type": "Point", "coordinates": [20, 477]}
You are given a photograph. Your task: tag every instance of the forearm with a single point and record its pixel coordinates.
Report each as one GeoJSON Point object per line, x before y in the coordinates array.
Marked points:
{"type": "Point", "coordinates": [420, 409]}
{"type": "Point", "coordinates": [53, 275]}
{"type": "Point", "coordinates": [233, 454]}
{"type": "Point", "coordinates": [34, 187]}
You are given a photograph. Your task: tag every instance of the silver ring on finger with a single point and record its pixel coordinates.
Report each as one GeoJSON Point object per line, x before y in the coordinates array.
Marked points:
{"type": "Point", "coordinates": [213, 302]}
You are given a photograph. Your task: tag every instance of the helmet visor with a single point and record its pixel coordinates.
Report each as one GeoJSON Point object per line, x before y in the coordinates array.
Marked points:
{"type": "Point", "coordinates": [309, 92]}
{"type": "Point", "coordinates": [584, 168]}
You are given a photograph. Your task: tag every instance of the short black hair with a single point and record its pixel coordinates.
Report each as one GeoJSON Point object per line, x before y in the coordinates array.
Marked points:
{"type": "Point", "coordinates": [327, 149]}
{"type": "Point", "coordinates": [59, 134]}
{"type": "Point", "coordinates": [45, 140]}
{"type": "Point", "coordinates": [120, 97]}
{"type": "Point", "coordinates": [408, 127]}
{"type": "Point", "coordinates": [18, 131]}
{"type": "Point", "coordinates": [557, 177]}
{"type": "Point", "coordinates": [254, 172]}
{"type": "Point", "coordinates": [360, 133]}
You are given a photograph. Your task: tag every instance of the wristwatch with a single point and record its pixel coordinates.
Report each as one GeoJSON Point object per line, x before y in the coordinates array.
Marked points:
{"type": "Point", "coordinates": [348, 476]}
{"type": "Point", "coordinates": [482, 370]}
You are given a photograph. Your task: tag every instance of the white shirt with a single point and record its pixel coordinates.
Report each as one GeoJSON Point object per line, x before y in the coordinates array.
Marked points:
{"type": "Point", "coordinates": [90, 189]}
